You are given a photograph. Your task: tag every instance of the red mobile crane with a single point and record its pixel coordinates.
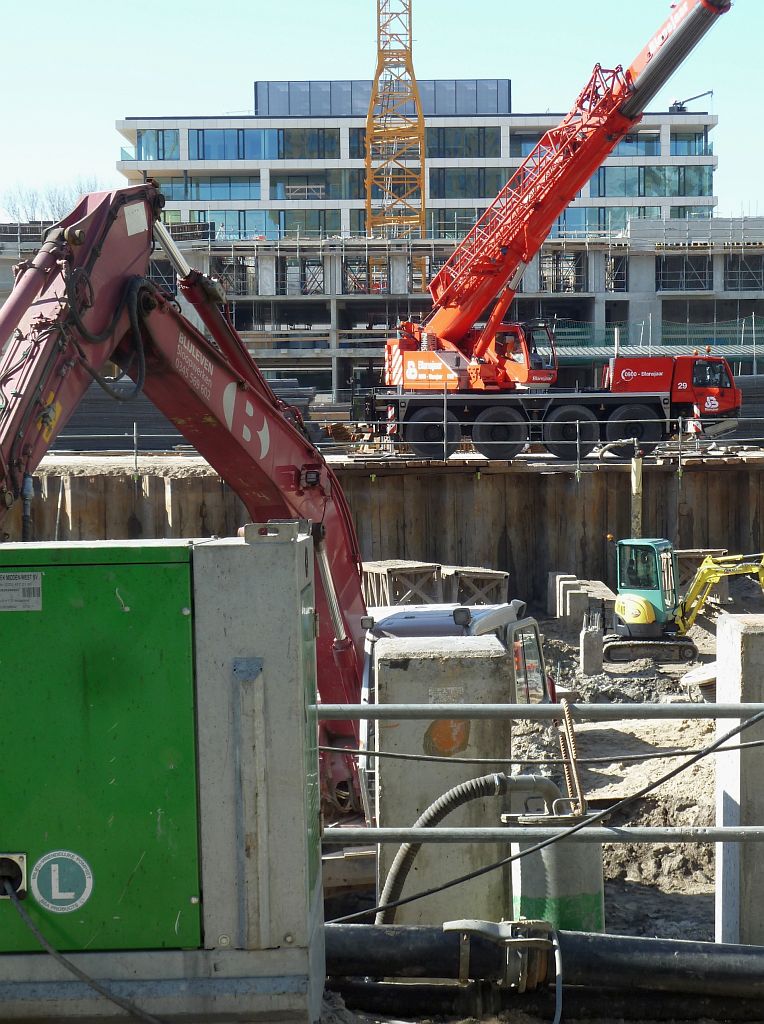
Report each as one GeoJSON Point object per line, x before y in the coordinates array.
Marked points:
{"type": "Point", "coordinates": [84, 300]}
{"type": "Point", "coordinates": [494, 382]}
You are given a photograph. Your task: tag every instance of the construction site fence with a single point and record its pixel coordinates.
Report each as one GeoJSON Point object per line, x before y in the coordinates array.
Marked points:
{"type": "Point", "coordinates": [334, 434]}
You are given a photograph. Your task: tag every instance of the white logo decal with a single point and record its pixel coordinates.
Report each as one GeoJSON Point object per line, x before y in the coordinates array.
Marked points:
{"type": "Point", "coordinates": [711, 403]}
{"type": "Point", "coordinates": [61, 881]}
{"type": "Point", "coordinates": [628, 374]}
{"type": "Point", "coordinates": [411, 370]}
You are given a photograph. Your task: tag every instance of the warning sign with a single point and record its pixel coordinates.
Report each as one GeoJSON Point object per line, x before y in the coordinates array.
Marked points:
{"type": "Point", "coordinates": [61, 881]}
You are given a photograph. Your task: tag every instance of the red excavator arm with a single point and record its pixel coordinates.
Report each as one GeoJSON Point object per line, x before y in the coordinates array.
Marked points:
{"type": "Point", "coordinates": [85, 300]}
{"type": "Point", "coordinates": [490, 260]}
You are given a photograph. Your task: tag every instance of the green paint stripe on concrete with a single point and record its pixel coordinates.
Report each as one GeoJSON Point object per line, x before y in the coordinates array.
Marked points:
{"type": "Point", "coordinates": [583, 912]}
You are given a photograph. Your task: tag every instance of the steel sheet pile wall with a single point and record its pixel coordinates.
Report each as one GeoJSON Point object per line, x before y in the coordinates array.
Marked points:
{"type": "Point", "coordinates": [524, 520]}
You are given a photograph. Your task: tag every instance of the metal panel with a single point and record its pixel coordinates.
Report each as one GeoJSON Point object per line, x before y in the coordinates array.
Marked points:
{"type": "Point", "coordinates": [98, 745]}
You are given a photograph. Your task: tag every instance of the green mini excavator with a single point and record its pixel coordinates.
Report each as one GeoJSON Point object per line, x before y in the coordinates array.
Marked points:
{"type": "Point", "coordinates": [651, 618]}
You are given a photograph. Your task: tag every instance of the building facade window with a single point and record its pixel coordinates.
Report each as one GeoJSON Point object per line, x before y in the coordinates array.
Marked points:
{"type": "Point", "coordinates": [264, 143]}
{"type": "Point", "coordinates": [685, 272]}
{"type": "Point", "coordinates": [623, 182]}
{"type": "Point", "coordinates": [690, 144]}
{"type": "Point", "coordinates": [521, 144]}
{"type": "Point", "coordinates": [690, 212]}
{"type": "Point", "coordinates": [562, 272]}
{"type": "Point", "coordinates": [461, 143]}
{"type": "Point", "coordinates": [467, 182]}
{"type": "Point", "coordinates": [210, 188]}
{"type": "Point", "coordinates": [744, 272]}
{"type": "Point", "coordinates": [639, 144]}
{"type": "Point", "coordinates": [335, 184]}
{"type": "Point", "coordinates": [157, 144]}
{"type": "Point", "coordinates": [357, 143]}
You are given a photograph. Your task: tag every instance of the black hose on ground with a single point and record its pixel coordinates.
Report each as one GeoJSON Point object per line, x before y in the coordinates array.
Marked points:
{"type": "Point", "coordinates": [590, 961]}
{"type": "Point", "coordinates": [474, 789]}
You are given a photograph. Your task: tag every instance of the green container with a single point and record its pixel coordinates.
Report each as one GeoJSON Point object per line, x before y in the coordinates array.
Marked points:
{"type": "Point", "coordinates": [98, 740]}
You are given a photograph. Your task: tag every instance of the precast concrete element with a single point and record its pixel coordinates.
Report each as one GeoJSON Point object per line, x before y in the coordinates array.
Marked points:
{"type": "Point", "coordinates": [563, 883]}
{"type": "Point", "coordinates": [590, 652]}
{"type": "Point", "coordinates": [432, 671]}
{"type": "Point", "coordinates": [563, 589]}
{"type": "Point", "coordinates": [576, 607]}
{"type": "Point", "coordinates": [739, 792]}
{"type": "Point", "coordinates": [552, 587]}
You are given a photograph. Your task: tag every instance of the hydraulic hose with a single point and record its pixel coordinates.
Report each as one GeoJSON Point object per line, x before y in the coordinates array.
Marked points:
{"type": "Point", "coordinates": [495, 784]}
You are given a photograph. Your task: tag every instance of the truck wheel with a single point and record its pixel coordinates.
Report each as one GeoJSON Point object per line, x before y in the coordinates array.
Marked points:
{"type": "Point", "coordinates": [570, 430]}
{"type": "Point", "coordinates": [423, 433]}
{"type": "Point", "coordinates": [499, 432]}
{"type": "Point", "coordinates": [635, 421]}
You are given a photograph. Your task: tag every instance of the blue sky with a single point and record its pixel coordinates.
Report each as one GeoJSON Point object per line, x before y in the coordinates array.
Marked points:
{"type": "Point", "coordinates": [69, 71]}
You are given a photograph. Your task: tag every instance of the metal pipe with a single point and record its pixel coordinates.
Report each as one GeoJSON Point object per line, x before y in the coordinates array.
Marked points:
{"type": "Point", "coordinates": [164, 239]}
{"type": "Point", "coordinates": [537, 712]}
{"type": "Point", "coordinates": [618, 961]}
{"type": "Point", "coordinates": [533, 833]}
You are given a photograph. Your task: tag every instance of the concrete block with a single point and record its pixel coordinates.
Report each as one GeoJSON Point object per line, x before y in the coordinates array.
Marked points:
{"type": "Point", "coordinates": [590, 650]}
{"type": "Point", "coordinates": [739, 793]}
{"type": "Point", "coordinates": [553, 580]}
{"type": "Point", "coordinates": [576, 607]}
{"type": "Point", "coordinates": [439, 670]}
{"type": "Point", "coordinates": [565, 584]}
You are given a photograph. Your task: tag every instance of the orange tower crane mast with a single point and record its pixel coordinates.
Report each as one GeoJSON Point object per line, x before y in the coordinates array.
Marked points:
{"type": "Point", "coordinates": [395, 147]}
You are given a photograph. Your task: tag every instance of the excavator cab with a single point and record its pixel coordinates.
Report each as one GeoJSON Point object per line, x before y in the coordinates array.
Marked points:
{"type": "Point", "coordinates": [647, 599]}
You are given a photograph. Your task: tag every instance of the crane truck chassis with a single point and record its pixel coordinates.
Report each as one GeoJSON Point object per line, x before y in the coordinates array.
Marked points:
{"type": "Point", "coordinates": [641, 398]}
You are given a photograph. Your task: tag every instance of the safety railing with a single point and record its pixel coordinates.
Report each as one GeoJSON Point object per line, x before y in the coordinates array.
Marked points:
{"type": "Point", "coordinates": [340, 434]}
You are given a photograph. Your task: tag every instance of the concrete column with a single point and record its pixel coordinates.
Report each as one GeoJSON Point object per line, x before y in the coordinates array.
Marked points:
{"type": "Point", "coordinates": [590, 650]}
{"type": "Point", "coordinates": [399, 273]}
{"type": "Point", "coordinates": [266, 274]}
{"type": "Point", "coordinates": [435, 670]}
{"type": "Point", "coordinates": [739, 793]}
{"type": "Point", "coordinates": [717, 262]}
{"type": "Point", "coordinates": [265, 183]}
{"type": "Point", "coordinates": [531, 277]}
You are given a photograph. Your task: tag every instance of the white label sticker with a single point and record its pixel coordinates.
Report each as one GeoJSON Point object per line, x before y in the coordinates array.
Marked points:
{"type": "Point", "coordinates": [20, 592]}
{"type": "Point", "coordinates": [61, 881]}
{"type": "Point", "coordinates": [135, 218]}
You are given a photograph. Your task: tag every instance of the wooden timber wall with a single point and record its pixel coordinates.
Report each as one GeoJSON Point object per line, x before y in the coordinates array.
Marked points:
{"type": "Point", "coordinates": [526, 520]}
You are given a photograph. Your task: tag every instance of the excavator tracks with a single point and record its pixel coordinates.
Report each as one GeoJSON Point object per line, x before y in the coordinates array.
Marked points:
{"type": "Point", "coordinates": [619, 649]}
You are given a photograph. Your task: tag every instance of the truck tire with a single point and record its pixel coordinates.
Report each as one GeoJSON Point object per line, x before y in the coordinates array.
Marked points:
{"type": "Point", "coordinates": [423, 433]}
{"type": "Point", "coordinates": [500, 432]}
{"type": "Point", "coordinates": [570, 430]}
{"type": "Point", "coordinates": [635, 421]}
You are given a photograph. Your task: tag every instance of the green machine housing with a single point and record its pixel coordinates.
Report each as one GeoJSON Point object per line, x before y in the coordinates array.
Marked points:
{"type": "Point", "coordinates": [160, 764]}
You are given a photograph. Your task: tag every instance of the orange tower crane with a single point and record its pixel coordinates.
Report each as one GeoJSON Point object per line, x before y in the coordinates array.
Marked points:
{"type": "Point", "coordinates": [395, 146]}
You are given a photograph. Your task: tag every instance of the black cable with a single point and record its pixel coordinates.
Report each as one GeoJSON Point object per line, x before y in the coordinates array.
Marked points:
{"type": "Point", "coordinates": [124, 1004]}
{"type": "Point", "coordinates": [442, 758]}
{"type": "Point", "coordinates": [542, 844]}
